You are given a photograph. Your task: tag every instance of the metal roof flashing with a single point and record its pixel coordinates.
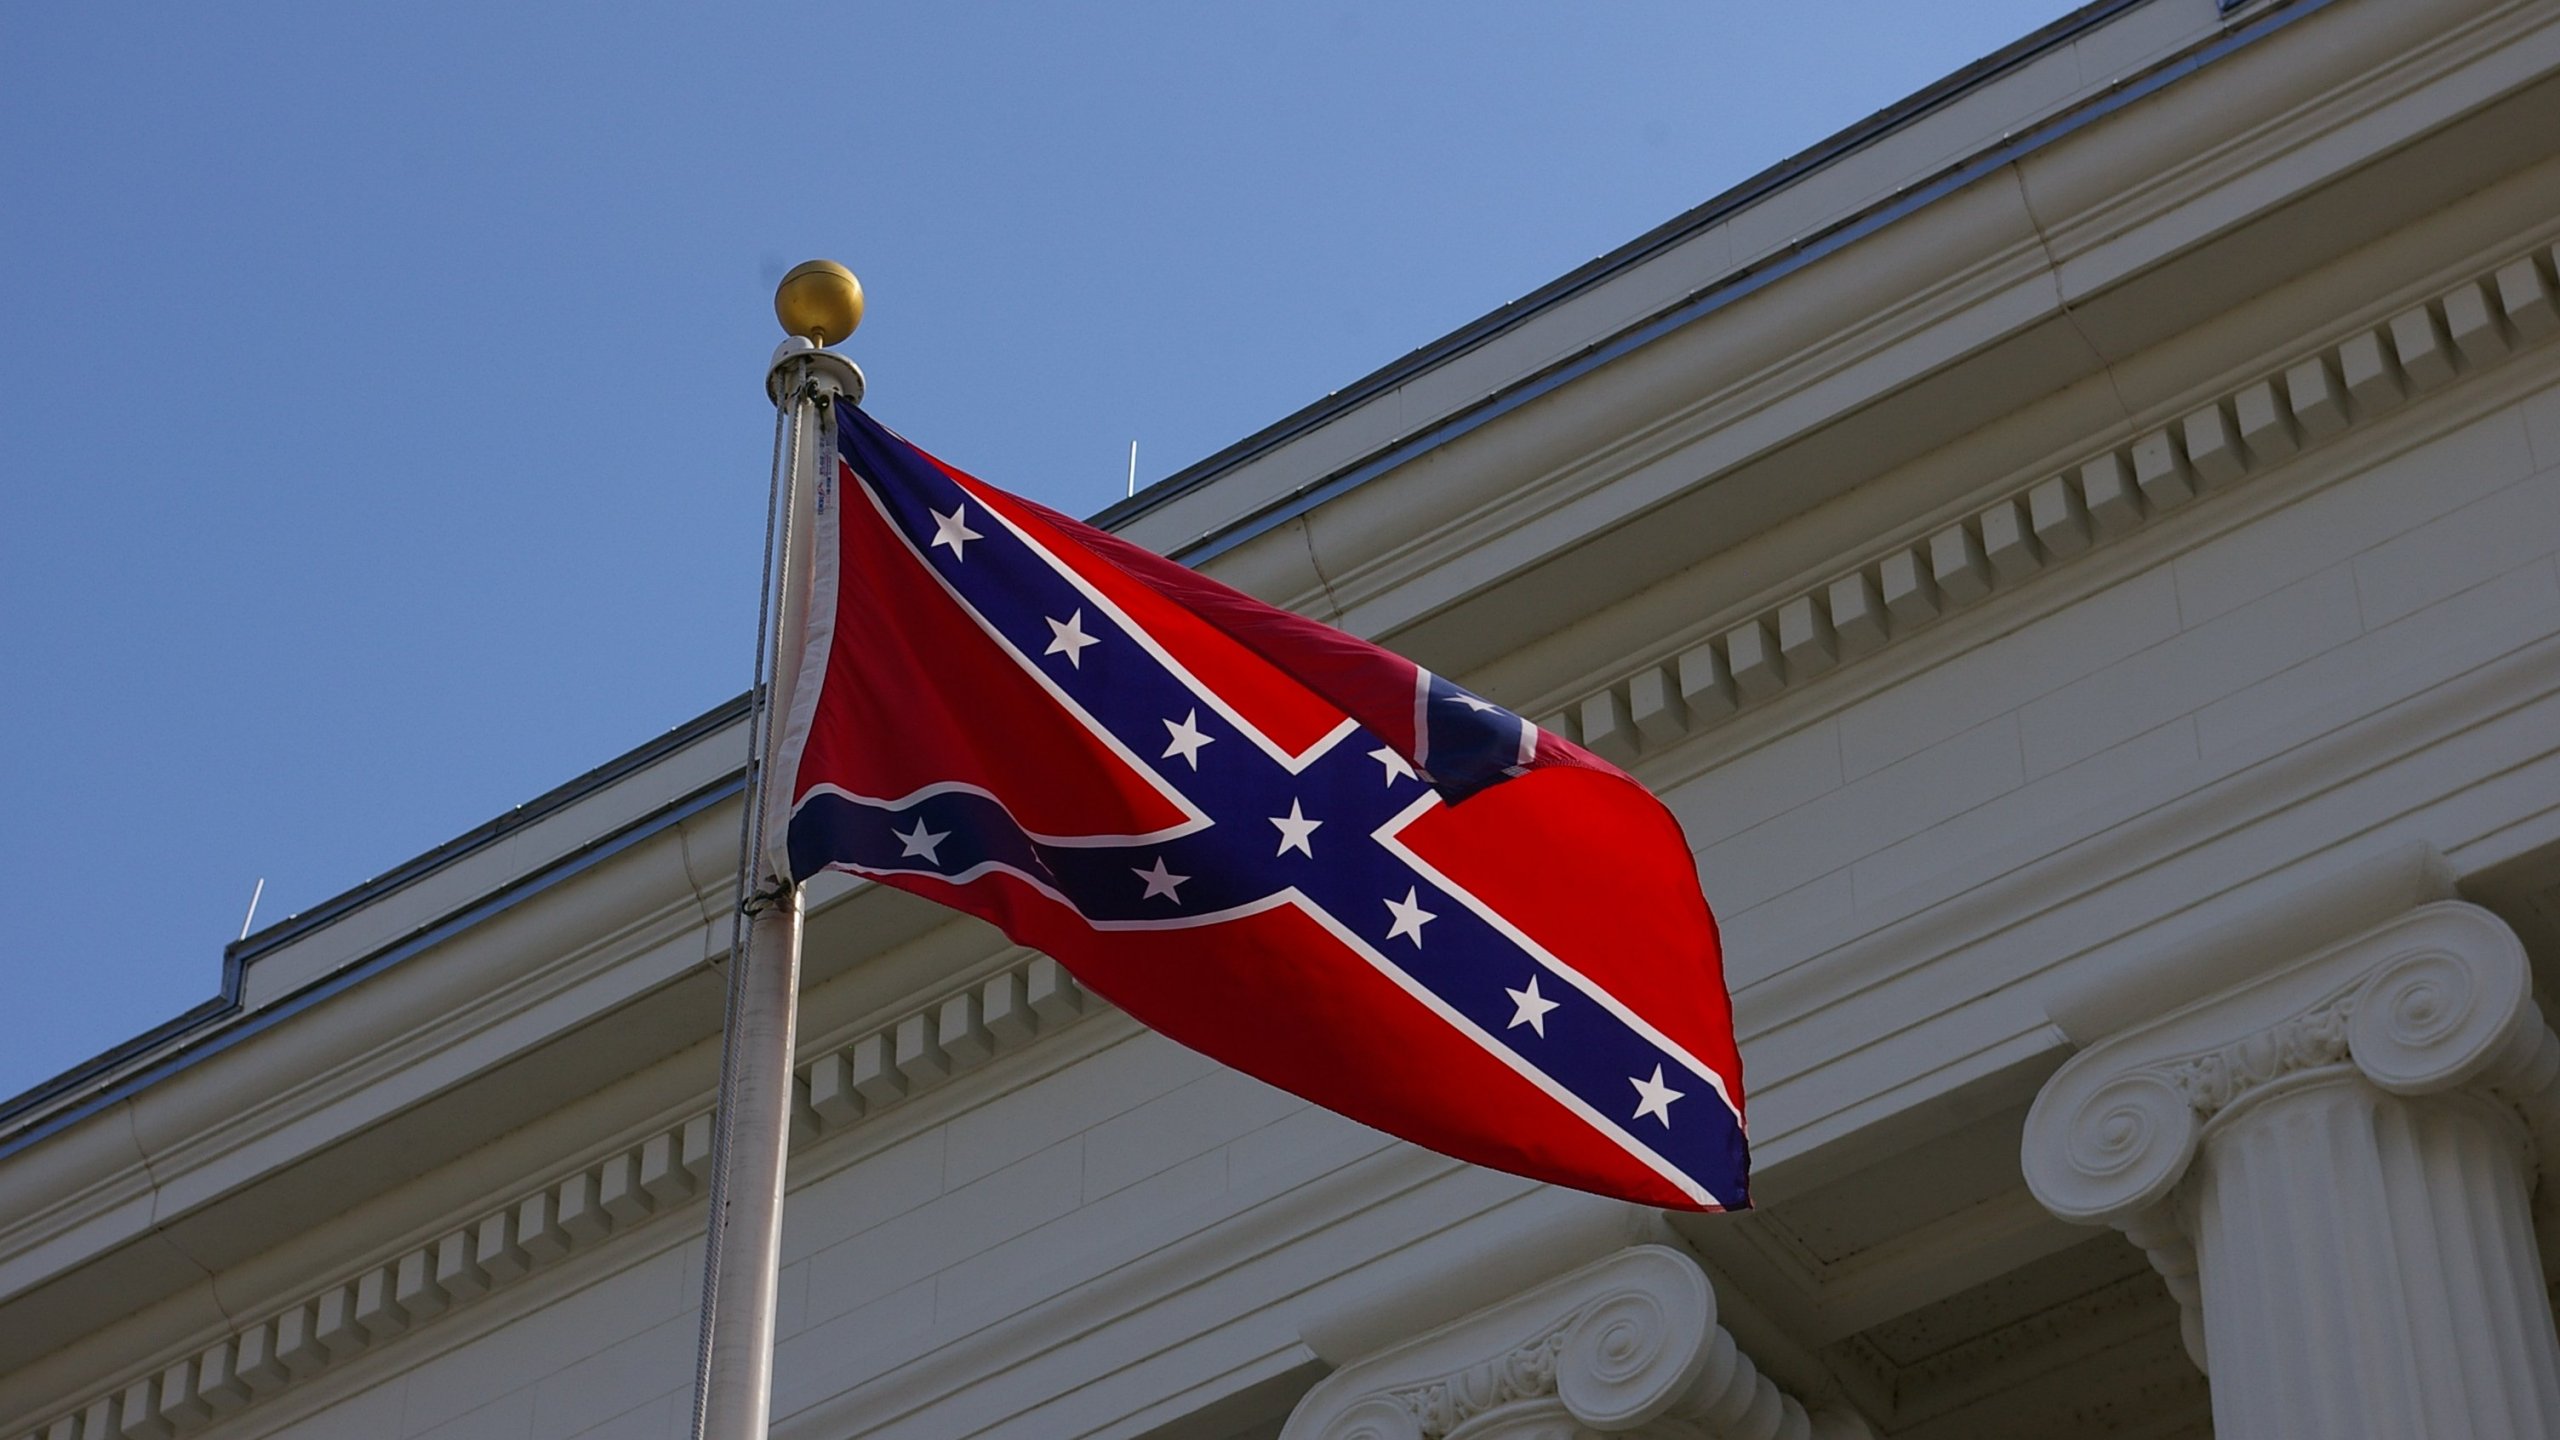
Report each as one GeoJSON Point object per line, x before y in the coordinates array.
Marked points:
{"type": "Point", "coordinates": [1734, 200]}
{"type": "Point", "coordinates": [217, 1023]}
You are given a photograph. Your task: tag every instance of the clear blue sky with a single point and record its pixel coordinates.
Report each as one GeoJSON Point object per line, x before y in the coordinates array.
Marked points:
{"type": "Point", "coordinates": [381, 432]}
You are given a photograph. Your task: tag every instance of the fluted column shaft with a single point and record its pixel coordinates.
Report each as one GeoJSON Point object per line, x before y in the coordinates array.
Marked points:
{"type": "Point", "coordinates": [2368, 1268]}
{"type": "Point", "coordinates": [2335, 1165]}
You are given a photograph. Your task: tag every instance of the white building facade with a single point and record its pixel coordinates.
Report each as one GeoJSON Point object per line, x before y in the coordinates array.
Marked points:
{"type": "Point", "coordinates": [2080, 552]}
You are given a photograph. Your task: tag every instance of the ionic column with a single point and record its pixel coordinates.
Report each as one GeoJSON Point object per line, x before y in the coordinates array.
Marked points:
{"type": "Point", "coordinates": [1627, 1346]}
{"type": "Point", "coordinates": [2334, 1166]}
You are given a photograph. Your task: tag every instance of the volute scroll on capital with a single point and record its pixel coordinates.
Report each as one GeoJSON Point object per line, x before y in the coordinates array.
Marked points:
{"type": "Point", "coordinates": [1626, 1346]}
{"type": "Point", "coordinates": [2438, 999]}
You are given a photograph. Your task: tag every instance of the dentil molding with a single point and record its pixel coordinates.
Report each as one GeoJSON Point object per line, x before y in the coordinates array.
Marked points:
{"type": "Point", "coordinates": [835, 1090]}
{"type": "Point", "coordinates": [1628, 1345]}
{"type": "Point", "coordinates": [2059, 517]}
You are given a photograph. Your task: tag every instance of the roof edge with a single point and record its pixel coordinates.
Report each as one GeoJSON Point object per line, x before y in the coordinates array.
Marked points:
{"type": "Point", "coordinates": [1665, 236]}
{"type": "Point", "coordinates": [237, 955]}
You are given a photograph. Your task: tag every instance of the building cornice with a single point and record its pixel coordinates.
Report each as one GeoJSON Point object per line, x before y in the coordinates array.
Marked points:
{"type": "Point", "coordinates": [623, 938]}
{"type": "Point", "coordinates": [941, 1036]}
{"type": "Point", "coordinates": [1794, 169]}
{"type": "Point", "coordinates": [1926, 331]}
{"type": "Point", "coordinates": [172, 1042]}
{"type": "Point", "coordinates": [116, 1070]}
{"type": "Point", "coordinates": [2090, 503]}
{"type": "Point", "coordinates": [1445, 422]}
{"type": "Point", "coordinates": [1547, 505]}
{"type": "Point", "coordinates": [847, 1078]}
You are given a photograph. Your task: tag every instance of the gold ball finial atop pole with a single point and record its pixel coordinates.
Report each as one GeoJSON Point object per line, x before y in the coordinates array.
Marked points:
{"type": "Point", "coordinates": [819, 301]}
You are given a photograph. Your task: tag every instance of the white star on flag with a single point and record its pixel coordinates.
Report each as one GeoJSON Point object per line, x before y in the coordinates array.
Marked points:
{"type": "Point", "coordinates": [1067, 636]}
{"type": "Point", "coordinates": [1187, 739]}
{"type": "Point", "coordinates": [920, 842]}
{"type": "Point", "coordinates": [1533, 1008]}
{"type": "Point", "coordinates": [953, 529]}
{"type": "Point", "coordinates": [1654, 1098]}
{"type": "Point", "coordinates": [1473, 703]}
{"type": "Point", "coordinates": [1295, 827]}
{"type": "Point", "coordinates": [1397, 766]}
{"type": "Point", "coordinates": [1410, 918]}
{"type": "Point", "coordinates": [1161, 881]}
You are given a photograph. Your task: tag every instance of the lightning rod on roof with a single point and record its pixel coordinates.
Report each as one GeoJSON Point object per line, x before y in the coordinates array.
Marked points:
{"type": "Point", "coordinates": [252, 917]}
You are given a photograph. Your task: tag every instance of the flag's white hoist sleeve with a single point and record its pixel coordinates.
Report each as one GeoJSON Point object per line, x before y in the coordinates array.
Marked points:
{"type": "Point", "coordinates": [808, 612]}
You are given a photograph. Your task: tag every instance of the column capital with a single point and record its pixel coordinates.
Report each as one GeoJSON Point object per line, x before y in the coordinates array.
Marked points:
{"type": "Point", "coordinates": [2437, 999]}
{"type": "Point", "coordinates": [1609, 1349]}
{"type": "Point", "coordinates": [2361, 1125]}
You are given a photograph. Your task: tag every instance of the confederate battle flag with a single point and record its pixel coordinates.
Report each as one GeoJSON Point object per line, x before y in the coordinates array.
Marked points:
{"type": "Point", "coordinates": [1288, 849]}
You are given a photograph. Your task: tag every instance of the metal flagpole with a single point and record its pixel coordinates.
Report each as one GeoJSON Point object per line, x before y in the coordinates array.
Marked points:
{"type": "Point", "coordinates": [819, 303]}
